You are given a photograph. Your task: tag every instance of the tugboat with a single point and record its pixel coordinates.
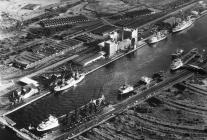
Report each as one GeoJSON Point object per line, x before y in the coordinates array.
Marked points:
{"type": "Point", "coordinates": [65, 84]}
{"type": "Point", "coordinates": [48, 124]}
{"type": "Point", "coordinates": [159, 36]}
{"type": "Point", "coordinates": [176, 64]}
{"type": "Point", "coordinates": [183, 25]}
{"type": "Point", "coordinates": [125, 89]}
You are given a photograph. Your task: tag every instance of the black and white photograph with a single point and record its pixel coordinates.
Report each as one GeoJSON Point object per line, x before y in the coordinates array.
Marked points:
{"type": "Point", "coordinates": [103, 69]}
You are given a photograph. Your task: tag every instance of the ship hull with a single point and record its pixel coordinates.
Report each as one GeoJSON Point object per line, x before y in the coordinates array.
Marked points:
{"type": "Point", "coordinates": [174, 30]}
{"type": "Point", "coordinates": [47, 128]}
{"type": "Point", "coordinates": [70, 84]}
{"type": "Point", "coordinates": [157, 40]}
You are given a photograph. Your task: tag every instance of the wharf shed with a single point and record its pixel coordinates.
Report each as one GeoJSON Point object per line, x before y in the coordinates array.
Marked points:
{"type": "Point", "coordinates": [29, 59]}
{"type": "Point", "coordinates": [104, 30]}
{"type": "Point", "coordinates": [62, 21]}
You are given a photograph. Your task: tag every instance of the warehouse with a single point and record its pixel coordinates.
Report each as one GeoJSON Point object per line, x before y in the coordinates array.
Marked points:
{"type": "Point", "coordinates": [88, 58]}
{"type": "Point", "coordinates": [45, 53]}
{"type": "Point", "coordinates": [105, 30]}
{"type": "Point", "coordinates": [62, 21]}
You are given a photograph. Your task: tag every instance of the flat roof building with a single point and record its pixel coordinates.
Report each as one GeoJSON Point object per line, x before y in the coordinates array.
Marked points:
{"type": "Point", "coordinates": [104, 30]}
{"type": "Point", "coordinates": [62, 21]}
{"type": "Point", "coordinates": [45, 53]}
{"type": "Point", "coordinates": [29, 81]}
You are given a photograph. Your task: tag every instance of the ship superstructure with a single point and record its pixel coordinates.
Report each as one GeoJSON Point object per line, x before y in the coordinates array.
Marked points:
{"type": "Point", "coordinates": [48, 124]}
{"type": "Point", "coordinates": [156, 37]}
{"type": "Point", "coordinates": [64, 83]}
{"type": "Point", "coordinates": [125, 89]}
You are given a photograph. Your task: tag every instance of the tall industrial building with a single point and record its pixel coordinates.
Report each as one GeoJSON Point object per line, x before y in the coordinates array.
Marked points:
{"type": "Point", "coordinates": [110, 47]}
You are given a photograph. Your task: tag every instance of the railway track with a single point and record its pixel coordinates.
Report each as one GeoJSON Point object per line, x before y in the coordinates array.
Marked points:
{"type": "Point", "coordinates": [169, 127]}
{"type": "Point", "coordinates": [194, 108]}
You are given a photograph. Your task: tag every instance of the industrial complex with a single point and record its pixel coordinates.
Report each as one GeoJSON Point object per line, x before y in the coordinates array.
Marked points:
{"type": "Point", "coordinates": [52, 48]}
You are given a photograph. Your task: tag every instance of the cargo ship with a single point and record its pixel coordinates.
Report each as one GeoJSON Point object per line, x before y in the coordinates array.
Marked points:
{"type": "Point", "coordinates": [184, 24]}
{"type": "Point", "coordinates": [50, 123]}
{"type": "Point", "coordinates": [159, 36]}
{"type": "Point", "coordinates": [83, 114]}
{"type": "Point", "coordinates": [64, 84]}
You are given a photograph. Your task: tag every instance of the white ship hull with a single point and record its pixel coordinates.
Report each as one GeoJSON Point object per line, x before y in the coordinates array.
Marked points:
{"type": "Point", "coordinates": [70, 84]}
{"type": "Point", "coordinates": [152, 41]}
{"type": "Point", "coordinates": [50, 123]}
{"type": "Point", "coordinates": [178, 29]}
{"type": "Point", "coordinates": [125, 91]}
{"type": "Point", "coordinates": [48, 128]}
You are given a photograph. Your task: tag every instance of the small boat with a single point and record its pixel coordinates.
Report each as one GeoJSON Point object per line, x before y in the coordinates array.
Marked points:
{"type": "Point", "coordinates": [125, 89]}
{"type": "Point", "coordinates": [178, 53]}
{"type": "Point", "coordinates": [48, 124]}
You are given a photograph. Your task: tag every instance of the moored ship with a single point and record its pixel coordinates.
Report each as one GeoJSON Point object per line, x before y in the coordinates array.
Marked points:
{"type": "Point", "coordinates": [183, 25]}
{"type": "Point", "coordinates": [159, 36]}
{"type": "Point", "coordinates": [125, 89]}
{"type": "Point", "coordinates": [146, 80]}
{"type": "Point", "coordinates": [176, 64]}
{"type": "Point", "coordinates": [83, 114]}
{"type": "Point", "coordinates": [72, 81]}
{"type": "Point", "coordinates": [50, 123]}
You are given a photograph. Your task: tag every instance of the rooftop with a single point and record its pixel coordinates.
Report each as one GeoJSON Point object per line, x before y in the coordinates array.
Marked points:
{"type": "Point", "coordinates": [63, 21]}
{"type": "Point", "coordinates": [104, 29]}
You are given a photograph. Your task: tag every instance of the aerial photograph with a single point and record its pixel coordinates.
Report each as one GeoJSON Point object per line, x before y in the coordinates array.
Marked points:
{"type": "Point", "coordinates": [103, 69]}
